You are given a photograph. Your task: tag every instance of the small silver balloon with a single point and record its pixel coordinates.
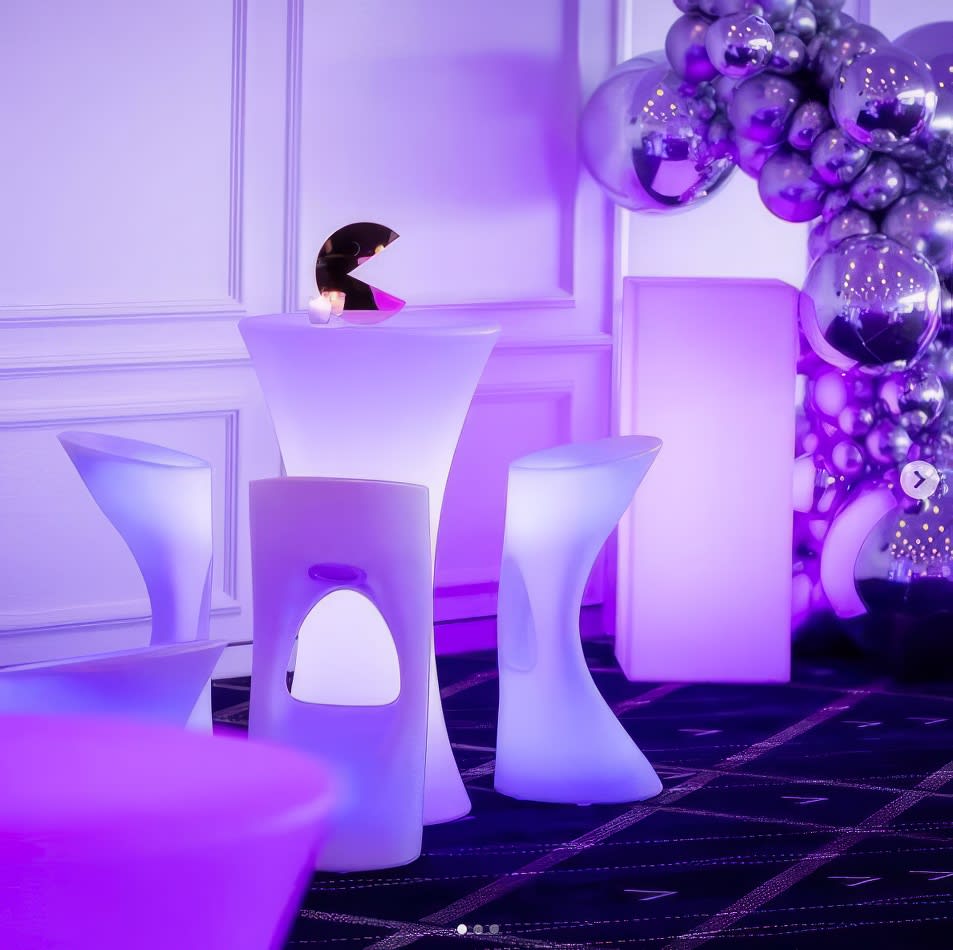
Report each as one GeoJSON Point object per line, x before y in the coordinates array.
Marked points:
{"type": "Point", "coordinates": [762, 106]}
{"type": "Point", "coordinates": [809, 120]}
{"type": "Point", "coordinates": [789, 56]}
{"type": "Point", "coordinates": [921, 391]}
{"type": "Point", "coordinates": [870, 302]}
{"type": "Point", "coordinates": [846, 458]}
{"type": "Point", "coordinates": [856, 421]}
{"type": "Point", "coordinates": [776, 12]}
{"type": "Point", "coordinates": [803, 23]}
{"type": "Point", "coordinates": [924, 222]}
{"type": "Point", "coordinates": [740, 45]}
{"type": "Point", "coordinates": [789, 187]}
{"type": "Point", "coordinates": [837, 159]}
{"type": "Point", "coordinates": [721, 7]}
{"type": "Point", "coordinates": [685, 49]}
{"type": "Point", "coordinates": [884, 98]}
{"type": "Point", "coordinates": [751, 156]}
{"type": "Point", "coordinates": [879, 185]}
{"type": "Point", "coordinates": [851, 222]}
{"type": "Point", "coordinates": [844, 44]}
{"type": "Point", "coordinates": [646, 142]}
{"type": "Point", "coordinates": [888, 443]}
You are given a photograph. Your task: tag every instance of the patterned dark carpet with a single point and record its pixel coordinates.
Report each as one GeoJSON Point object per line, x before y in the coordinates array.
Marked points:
{"type": "Point", "coordinates": [817, 814]}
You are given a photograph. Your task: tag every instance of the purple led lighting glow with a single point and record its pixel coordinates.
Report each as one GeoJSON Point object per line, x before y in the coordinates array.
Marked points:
{"type": "Point", "coordinates": [118, 834]}
{"type": "Point", "coordinates": [557, 740]}
{"type": "Point", "coordinates": [704, 567]}
{"type": "Point", "coordinates": [384, 402]}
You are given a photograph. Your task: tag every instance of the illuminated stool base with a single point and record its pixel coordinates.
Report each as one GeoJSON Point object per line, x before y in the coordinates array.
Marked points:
{"type": "Point", "coordinates": [557, 740]}
{"type": "Point", "coordinates": [316, 538]}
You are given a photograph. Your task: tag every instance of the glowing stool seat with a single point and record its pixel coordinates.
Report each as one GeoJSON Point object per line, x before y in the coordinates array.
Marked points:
{"type": "Point", "coordinates": [314, 539]}
{"type": "Point", "coordinates": [384, 402]}
{"type": "Point", "coordinates": [159, 684]}
{"type": "Point", "coordinates": [557, 740]}
{"type": "Point", "coordinates": [160, 502]}
{"type": "Point", "coordinates": [121, 834]}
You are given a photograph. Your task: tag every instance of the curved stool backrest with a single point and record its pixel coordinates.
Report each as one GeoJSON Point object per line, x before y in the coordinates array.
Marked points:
{"type": "Point", "coordinates": [160, 502]}
{"type": "Point", "coordinates": [312, 537]}
{"type": "Point", "coordinates": [557, 740]}
{"type": "Point", "coordinates": [159, 684]}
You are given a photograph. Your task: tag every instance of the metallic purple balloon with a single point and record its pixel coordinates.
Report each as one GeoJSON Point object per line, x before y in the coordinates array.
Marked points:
{"type": "Point", "coordinates": [921, 392]}
{"type": "Point", "coordinates": [888, 443]}
{"type": "Point", "coordinates": [851, 222]}
{"type": "Point", "coordinates": [685, 49]}
{"type": "Point", "coordinates": [803, 23]}
{"type": "Point", "coordinates": [884, 98]}
{"type": "Point", "coordinates": [809, 120]}
{"type": "Point", "coordinates": [789, 56]}
{"type": "Point", "coordinates": [776, 12]}
{"type": "Point", "coordinates": [721, 7]}
{"type": "Point", "coordinates": [646, 142]}
{"type": "Point", "coordinates": [837, 48]}
{"type": "Point", "coordinates": [870, 302]}
{"type": "Point", "coordinates": [751, 156]}
{"type": "Point", "coordinates": [789, 187]}
{"type": "Point", "coordinates": [837, 200]}
{"type": "Point", "coordinates": [687, 6]}
{"type": "Point", "coordinates": [934, 43]}
{"type": "Point", "coordinates": [837, 159]}
{"type": "Point", "coordinates": [740, 45]}
{"type": "Point", "coordinates": [879, 185]}
{"type": "Point", "coordinates": [762, 107]}
{"type": "Point", "coordinates": [924, 223]}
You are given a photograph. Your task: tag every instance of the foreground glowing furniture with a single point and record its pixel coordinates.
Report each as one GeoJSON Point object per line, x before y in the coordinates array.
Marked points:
{"type": "Point", "coordinates": [704, 555]}
{"type": "Point", "coordinates": [160, 684]}
{"type": "Point", "coordinates": [160, 502]}
{"type": "Point", "coordinates": [557, 740]}
{"type": "Point", "coordinates": [312, 539]}
{"type": "Point", "coordinates": [120, 834]}
{"type": "Point", "coordinates": [377, 402]}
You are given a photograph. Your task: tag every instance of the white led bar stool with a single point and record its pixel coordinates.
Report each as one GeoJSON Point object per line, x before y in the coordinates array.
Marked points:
{"type": "Point", "coordinates": [160, 502]}
{"type": "Point", "coordinates": [384, 402]}
{"type": "Point", "coordinates": [557, 740]}
{"type": "Point", "coordinates": [159, 684]}
{"type": "Point", "coordinates": [314, 539]}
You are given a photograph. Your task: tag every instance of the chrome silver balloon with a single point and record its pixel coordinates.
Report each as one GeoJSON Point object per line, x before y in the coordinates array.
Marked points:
{"type": "Point", "coordinates": [751, 156]}
{"type": "Point", "coordinates": [837, 48]}
{"type": "Point", "coordinates": [721, 7]}
{"type": "Point", "coordinates": [789, 187]}
{"type": "Point", "coordinates": [685, 49]}
{"type": "Point", "coordinates": [856, 421]}
{"type": "Point", "coordinates": [789, 56]}
{"type": "Point", "coordinates": [646, 142]}
{"type": "Point", "coordinates": [884, 98]}
{"type": "Point", "coordinates": [837, 159]}
{"type": "Point", "coordinates": [872, 303]}
{"type": "Point", "coordinates": [924, 223]}
{"type": "Point", "coordinates": [921, 391]}
{"type": "Point", "coordinates": [888, 442]}
{"type": "Point", "coordinates": [762, 106]}
{"type": "Point", "coordinates": [803, 23]}
{"type": "Point", "coordinates": [776, 12]}
{"type": "Point", "coordinates": [809, 120]}
{"type": "Point", "coordinates": [846, 458]}
{"type": "Point", "coordinates": [934, 43]}
{"type": "Point", "coordinates": [740, 45]}
{"type": "Point", "coordinates": [879, 185]}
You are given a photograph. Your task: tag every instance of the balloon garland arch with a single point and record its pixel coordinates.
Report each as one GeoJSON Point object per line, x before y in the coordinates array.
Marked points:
{"type": "Point", "coordinates": [841, 127]}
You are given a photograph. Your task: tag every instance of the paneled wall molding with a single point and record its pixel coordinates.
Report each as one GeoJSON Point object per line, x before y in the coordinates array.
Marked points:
{"type": "Point", "coordinates": [231, 303]}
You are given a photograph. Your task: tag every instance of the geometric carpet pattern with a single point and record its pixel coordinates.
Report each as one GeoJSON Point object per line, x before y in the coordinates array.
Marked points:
{"type": "Point", "coordinates": [815, 814]}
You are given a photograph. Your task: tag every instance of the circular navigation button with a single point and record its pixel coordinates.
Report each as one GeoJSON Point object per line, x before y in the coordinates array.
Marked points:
{"type": "Point", "coordinates": [919, 479]}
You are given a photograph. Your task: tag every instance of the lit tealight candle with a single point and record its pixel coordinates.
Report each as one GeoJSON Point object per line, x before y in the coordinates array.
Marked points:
{"type": "Point", "coordinates": [319, 309]}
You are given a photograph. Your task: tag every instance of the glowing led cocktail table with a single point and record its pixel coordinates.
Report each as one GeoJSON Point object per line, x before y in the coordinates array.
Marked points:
{"type": "Point", "coordinates": [384, 401]}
